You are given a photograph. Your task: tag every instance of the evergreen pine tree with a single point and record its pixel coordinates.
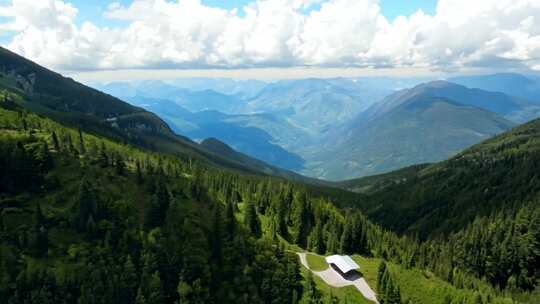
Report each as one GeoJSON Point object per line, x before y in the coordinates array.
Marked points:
{"type": "Point", "coordinates": [55, 143]}
{"type": "Point", "coordinates": [311, 294]}
{"type": "Point", "coordinates": [251, 219]}
{"type": "Point", "coordinates": [140, 179]}
{"type": "Point", "coordinates": [382, 279]}
{"type": "Point", "coordinates": [82, 149]}
{"type": "Point", "coordinates": [347, 238]}
{"type": "Point", "coordinates": [302, 218]}
{"type": "Point", "coordinates": [153, 216]}
{"type": "Point", "coordinates": [140, 299]}
{"type": "Point", "coordinates": [39, 219]}
{"type": "Point", "coordinates": [154, 290]}
{"type": "Point", "coordinates": [230, 221]}
{"type": "Point", "coordinates": [316, 239]}
{"type": "Point", "coordinates": [128, 281]}
{"type": "Point", "coordinates": [215, 236]}
{"type": "Point", "coordinates": [43, 158]}
{"type": "Point", "coordinates": [103, 157]}
{"type": "Point", "coordinates": [119, 165]}
{"type": "Point", "coordinates": [87, 202]}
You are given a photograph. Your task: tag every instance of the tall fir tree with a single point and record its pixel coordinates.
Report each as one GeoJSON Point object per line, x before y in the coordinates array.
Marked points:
{"type": "Point", "coordinates": [87, 206]}
{"type": "Point", "coordinates": [82, 148]}
{"type": "Point", "coordinates": [55, 143]}
{"type": "Point", "coordinates": [251, 219]}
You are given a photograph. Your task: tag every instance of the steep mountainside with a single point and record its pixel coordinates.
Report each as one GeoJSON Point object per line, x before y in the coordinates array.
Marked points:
{"type": "Point", "coordinates": [500, 173]}
{"type": "Point", "coordinates": [219, 148]}
{"type": "Point", "coordinates": [512, 108]}
{"type": "Point", "coordinates": [419, 129]}
{"type": "Point", "coordinates": [375, 183]}
{"type": "Point", "coordinates": [50, 94]}
{"type": "Point", "coordinates": [246, 133]}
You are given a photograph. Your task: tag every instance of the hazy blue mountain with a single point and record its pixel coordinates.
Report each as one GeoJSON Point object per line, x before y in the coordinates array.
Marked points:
{"type": "Point", "coordinates": [411, 129]}
{"type": "Point", "coordinates": [220, 148]}
{"type": "Point", "coordinates": [336, 128]}
{"type": "Point", "coordinates": [206, 100]}
{"type": "Point", "coordinates": [512, 108]}
{"type": "Point", "coordinates": [240, 88]}
{"type": "Point", "coordinates": [189, 90]}
{"type": "Point", "coordinates": [239, 131]}
{"type": "Point", "coordinates": [510, 83]}
{"type": "Point", "coordinates": [117, 89]}
{"type": "Point", "coordinates": [315, 105]}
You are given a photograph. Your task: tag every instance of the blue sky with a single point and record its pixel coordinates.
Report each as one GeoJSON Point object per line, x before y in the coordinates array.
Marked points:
{"type": "Point", "coordinates": [92, 10]}
{"type": "Point", "coordinates": [393, 8]}
{"type": "Point", "coordinates": [390, 8]}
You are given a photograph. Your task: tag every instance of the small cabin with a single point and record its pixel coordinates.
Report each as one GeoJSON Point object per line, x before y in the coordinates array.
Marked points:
{"type": "Point", "coordinates": [343, 264]}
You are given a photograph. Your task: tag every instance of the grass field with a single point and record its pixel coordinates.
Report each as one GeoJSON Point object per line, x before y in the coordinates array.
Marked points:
{"type": "Point", "coordinates": [417, 286]}
{"type": "Point", "coordinates": [316, 262]}
{"type": "Point", "coordinates": [368, 269]}
{"type": "Point", "coordinates": [347, 294]}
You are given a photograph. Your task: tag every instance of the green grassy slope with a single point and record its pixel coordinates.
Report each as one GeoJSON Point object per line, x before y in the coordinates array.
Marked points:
{"type": "Point", "coordinates": [417, 286]}
{"type": "Point", "coordinates": [316, 262]}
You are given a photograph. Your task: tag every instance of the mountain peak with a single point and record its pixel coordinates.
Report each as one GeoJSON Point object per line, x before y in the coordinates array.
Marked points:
{"type": "Point", "coordinates": [216, 145]}
{"type": "Point", "coordinates": [438, 84]}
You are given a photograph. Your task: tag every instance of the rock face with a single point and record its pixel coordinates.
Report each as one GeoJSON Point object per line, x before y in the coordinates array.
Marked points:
{"type": "Point", "coordinates": [24, 82]}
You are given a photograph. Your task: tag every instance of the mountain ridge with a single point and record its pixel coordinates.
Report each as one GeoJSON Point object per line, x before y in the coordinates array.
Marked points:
{"type": "Point", "coordinates": [417, 129]}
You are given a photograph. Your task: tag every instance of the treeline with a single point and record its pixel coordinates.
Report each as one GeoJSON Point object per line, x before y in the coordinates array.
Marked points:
{"type": "Point", "coordinates": [502, 249]}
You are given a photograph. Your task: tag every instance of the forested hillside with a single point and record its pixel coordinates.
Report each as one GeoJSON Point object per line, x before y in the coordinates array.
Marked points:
{"type": "Point", "coordinates": [88, 220]}
{"type": "Point", "coordinates": [500, 174]}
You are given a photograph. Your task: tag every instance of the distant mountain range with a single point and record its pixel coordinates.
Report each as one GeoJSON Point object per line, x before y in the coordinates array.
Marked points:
{"type": "Point", "coordinates": [409, 127]}
{"type": "Point", "coordinates": [192, 100]}
{"type": "Point", "coordinates": [315, 106]}
{"type": "Point", "coordinates": [341, 128]}
{"type": "Point", "coordinates": [518, 85]}
{"type": "Point", "coordinates": [243, 132]}
{"type": "Point", "coordinates": [512, 108]}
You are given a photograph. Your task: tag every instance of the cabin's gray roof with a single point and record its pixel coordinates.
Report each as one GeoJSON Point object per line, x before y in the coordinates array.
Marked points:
{"type": "Point", "coordinates": [343, 262]}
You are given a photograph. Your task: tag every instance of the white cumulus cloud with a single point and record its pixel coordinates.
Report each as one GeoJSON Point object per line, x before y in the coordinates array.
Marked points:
{"type": "Point", "coordinates": [169, 34]}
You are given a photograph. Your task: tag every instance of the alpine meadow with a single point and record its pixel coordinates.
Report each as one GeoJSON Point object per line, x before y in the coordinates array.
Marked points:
{"type": "Point", "coordinates": [269, 152]}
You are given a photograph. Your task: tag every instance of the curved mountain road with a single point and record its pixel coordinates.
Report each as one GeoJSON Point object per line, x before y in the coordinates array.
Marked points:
{"type": "Point", "coordinates": [334, 279]}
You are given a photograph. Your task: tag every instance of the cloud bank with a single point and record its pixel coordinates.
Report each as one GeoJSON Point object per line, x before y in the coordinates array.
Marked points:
{"type": "Point", "coordinates": [185, 34]}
